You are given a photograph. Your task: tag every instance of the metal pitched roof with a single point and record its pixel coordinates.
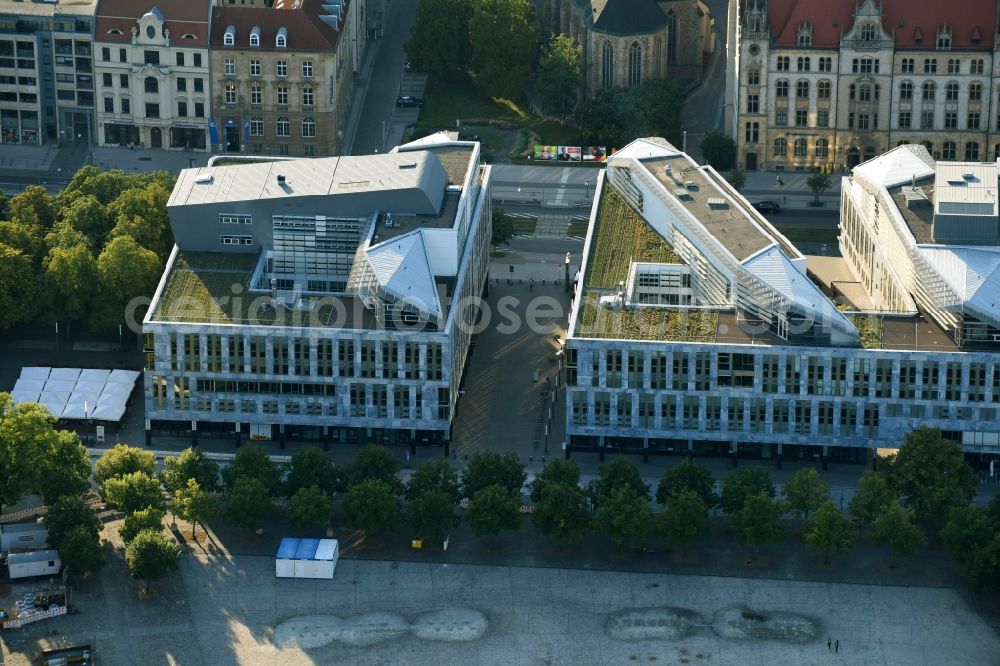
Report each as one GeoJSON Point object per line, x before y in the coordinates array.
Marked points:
{"type": "Point", "coordinates": [898, 166]}
{"type": "Point", "coordinates": [777, 270]}
{"type": "Point", "coordinates": [401, 268]}
{"type": "Point", "coordinates": [973, 273]}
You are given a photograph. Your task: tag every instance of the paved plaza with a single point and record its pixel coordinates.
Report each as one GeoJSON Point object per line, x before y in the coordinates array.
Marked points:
{"type": "Point", "coordinates": [231, 610]}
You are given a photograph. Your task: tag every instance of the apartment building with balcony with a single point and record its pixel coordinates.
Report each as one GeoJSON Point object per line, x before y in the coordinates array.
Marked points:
{"type": "Point", "coordinates": [152, 74]}
{"type": "Point", "coordinates": [698, 328]}
{"type": "Point", "coordinates": [46, 71]}
{"type": "Point", "coordinates": [317, 299]}
{"type": "Point", "coordinates": [282, 75]}
{"type": "Point", "coordinates": [826, 84]}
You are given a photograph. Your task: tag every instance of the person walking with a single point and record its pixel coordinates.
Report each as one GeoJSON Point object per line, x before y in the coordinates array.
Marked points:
{"type": "Point", "coordinates": [836, 646]}
{"type": "Point", "coordinates": [829, 643]}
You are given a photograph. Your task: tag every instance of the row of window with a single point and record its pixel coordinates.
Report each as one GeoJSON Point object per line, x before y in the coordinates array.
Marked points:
{"type": "Point", "coordinates": [151, 57]}
{"type": "Point", "coordinates": [871, 66]}
{"type": "Point", "coordinates": [151, 84]}
{"type": "Point", "coordinates": [821, 149]}
{"type": "Point", "coordinates": [280, 67]}
{"type": "Point", "coordinates": [283, 127]}
{"type": "Point", "coordinates": [153, 109]}
{"type": "Point", "coordinates": [257, 95]}
{"type": "Point", "coordinates": [280, 39]}
{"type": "Point", "coordinates": [867, 92]}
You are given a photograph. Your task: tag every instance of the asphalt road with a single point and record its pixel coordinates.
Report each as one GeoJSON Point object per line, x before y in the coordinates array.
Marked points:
{"type": "Point", "coordinates": [380, 98]}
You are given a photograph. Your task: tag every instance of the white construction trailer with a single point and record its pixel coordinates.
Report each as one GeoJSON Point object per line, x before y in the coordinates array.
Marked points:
{"type": "Point", "coordinates": [307, 558]}
{"type": "Point", "coordinates": [33, 563]}
{"type": "Point", "coordinates": [23, 535]}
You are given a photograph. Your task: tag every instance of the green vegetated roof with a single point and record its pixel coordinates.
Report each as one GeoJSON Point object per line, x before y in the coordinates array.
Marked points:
{"type": "Point", "coordinates": [870, 329]}
{"type": "Point", "coordinates": [197, 283]}
{"type": "Point", "coordinates": [620, 238]}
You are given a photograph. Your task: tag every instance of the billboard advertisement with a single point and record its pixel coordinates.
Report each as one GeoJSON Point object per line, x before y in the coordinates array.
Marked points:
{"type": "Point", "coordinates": [558, 153]}
{"type": "Point", "coordinates": [595, 154]}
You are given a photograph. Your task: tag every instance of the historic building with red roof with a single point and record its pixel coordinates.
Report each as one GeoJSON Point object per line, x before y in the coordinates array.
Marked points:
{"type": "Point", "coordinates": [832, 83]}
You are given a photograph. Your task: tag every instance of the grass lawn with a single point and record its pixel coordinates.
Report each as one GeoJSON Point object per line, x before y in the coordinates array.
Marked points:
{"type": "Point", "coordinates": [445, 101]}
{"type": "Point", "coordinates": [551, 133]}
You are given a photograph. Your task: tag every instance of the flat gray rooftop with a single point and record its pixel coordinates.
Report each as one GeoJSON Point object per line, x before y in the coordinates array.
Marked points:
{"type": "Point", "coordinates": [920, 218]}
{"type": "Point", "coordinates": [728, 224]}
{"type": "Point", "coordinates": [404, 224]}
{"type": "Point", "coordinates": [454, 159]}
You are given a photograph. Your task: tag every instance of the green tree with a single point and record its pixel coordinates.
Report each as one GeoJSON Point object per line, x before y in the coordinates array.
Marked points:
{"type": "Point", "coordinates": [431, 514]}
{"type": "Point", "coordinates": [559, 76]}
{"type": "Point", "coordinates": [150, 518]}
{"type": "Point", "coordinates": [125, 270]}
{"type": "Point", "coordinates": [310, 466]}
{"type": "Point", "coordinates": [252, 462]}
{"type": "Point", "coordinates": [151, 556]}
{"type": "Point", "coordinates": [25, 436]}
{"type": "Point", "coordinates": [372, 507]}
{"type": "Point", "coordinates": [503, 226]}
{"type": "Point", "coordinates": [685, 519]}
{"type": "Point", "coordinates": [122, 459]}
{"type": "Point", "coordinates": [134, 491]}
{"type": "Point", "coordinates": [932, 476]}
{"type": "Point", "coordinates": [559, 470]}
{"type": "Point", "coordinates": [895, 528]}
{"type": "Point", "coordinates": [248, 503]}
{"type": "Point", "coordinates": [375, 463]}
{"type": "Point", "coordinates": [88, 216]}
{"type": "Point", "coordinates": [829, 531]}
{"type": "Point", "coordinates": [190, 464]}
{"type": "Point", "coordinates": [689, 475]}
{"type": "Point", "coordinates": [492, 510]}
{"type": "Point", "coordinates": [758, 522]}
{"type": "Point", "coordinates": [34, 206]}
{"type": "Point", "coordinates": [984, 566]}
{"type": "Point", "coordinates": [660, 105]}
{"type": "Point", "coordinates": [141, 213]}
{"type": "Point", "coordinates": [624, 516]}
{"type": "Point", "coordinates": [741, 484]}
{"type": "Point", "coordinates": [64, 468]}
{"type": "Point", "coordinates": [562, 511]}
{"type": "Point", "coordinates": [607, 118]}
{"type": "Point", "coordinates": [309, 507]}
{"type": "Point", "coordinates": [872, 494]}
{"type": "Point", "coordinates": [71, 277]}
{"type": "Point", "coordinates": [619, 473]}
{"type": "Point", "coordinates": [195, 505]}
{"type": "Point", "coordinates": [81, 552]}
{"type": "Point", "coordinates": [66, 514]}
{"type": "Point", "coordinates": [18, 287]}
{"type": "Point", "coordinates": [718, 150]}
{"type": "Point", "coordinates": [488, 468]}
{"type": "Point", "coordinates": [434, 476]}
{"type": "Point", "coordinates": [819, 183]}
{"type": "Point", "coordinates": [737, 178]}
{"type": "Point", "coordinates": [969, 529]}
{"type": "Point", "coordinates": [502, 34]}
{"type": "Point", "coordinates": [439, 41]}
{"type": "Point", "coordinates": [805, 491]}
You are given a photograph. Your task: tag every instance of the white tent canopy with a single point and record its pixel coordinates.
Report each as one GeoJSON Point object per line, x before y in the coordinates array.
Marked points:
{"type": "Point", "coordinates": [72, 393]}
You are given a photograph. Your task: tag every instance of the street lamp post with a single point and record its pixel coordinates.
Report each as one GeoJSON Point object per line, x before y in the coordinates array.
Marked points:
{"type": "Point", "coordinates": [567, 270]}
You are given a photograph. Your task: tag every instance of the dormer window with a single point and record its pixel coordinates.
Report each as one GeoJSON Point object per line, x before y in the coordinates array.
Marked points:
{"type": "Point", "coordinates": [229, 39]}
{"type": "Point", "coordinates": [188, 35]}
{"type": "Point", "coordinates": [255, 36]}
{"type": "Point", "coordinates": [115, 31]}
{"type": "Point", "coordinates": [281, 40]}
{"type": "Point", "coordinates": [805, 34]}
{"type": "Point", "coordinates": [944, 38]}
{"type": "Point", "coordinates": [868, 32]}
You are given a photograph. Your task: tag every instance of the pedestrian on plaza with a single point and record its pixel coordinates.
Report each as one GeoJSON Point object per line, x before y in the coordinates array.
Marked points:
{"type": "Point", "coordinates": [836, 646]}
{"type": "Point", "coordinates": [829, 643]}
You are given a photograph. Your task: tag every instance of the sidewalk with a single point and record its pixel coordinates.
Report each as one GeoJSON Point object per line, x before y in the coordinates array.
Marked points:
{"type": "Point", "coordinates": [793, 192]}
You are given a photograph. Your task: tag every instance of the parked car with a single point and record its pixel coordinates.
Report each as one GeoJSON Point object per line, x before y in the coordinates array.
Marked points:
{"type": "Point", "coordinates": [409, 101]}
{"type": "Point", "coordinates": [768, 207]}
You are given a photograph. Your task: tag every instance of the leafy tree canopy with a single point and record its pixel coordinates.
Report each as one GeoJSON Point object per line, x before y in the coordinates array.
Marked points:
{"type": "Point", "coordinates": [372, 507]}
{"type": "Point", "coordinates": [562, 511]}
{"type": "Point", "coordinates": [559, 470]}
{"type": "Point", "coordinates": [829, 531]}
{"type": "Point", "coordinates": [560, 75]}
{"type": "Point", "coordinates": [685, 519]}
{"type": "Point", "coordinates": [718, 150]}
{"type": "Point", "coordinates": [26, 435]}
{"type": "Point", "coordinates": [689, 475]}
{"type": "Point", "coordinates": [252, 462]}
{"type": "Point", "coordinates": [152, 556]}
{"type": "Point", "coordinates": [434, 476]}
{"type": "Point", "coordinates": [122, 459]}
{"type": "Point", "coordinates": [740, 485]}
{"type": "Point", "coordinates": [932, 476]}
{"type": "Point", "coordinates": [309, 507]}
{"type": "Point", "coordinates": [439, 42]}
{"type": "Point", "coordinates": [248, 503]}
{"type": "Point", "coordinates": [492, 510]}
{"type": "Point", "coordinates": [375, 463]}
{"type": "Point", "coordinates": [194, 504]}
{"type": "Point", "coordinates": [81, 552]}
{"type": "Point", "coordinates": [133, 491]}
{"type": "Point", "coordinates": [619, 473]}
{"type": "Point", "coordinates": [488, 468]}
{"type": "Point", "coordinates": [895, 528]}
{"type": "Point", "coordinates": [190, 464]}
{"type": "Point", "coordinates": [310, 466]}
{"type": "Point", "coordinates": [431, 514]}
{"type": "Point", "coordinates": [503, 35]}
{"type": "Point", "coordinates": [624, 516]}
{"type": "Point", "coordinates": [68, 513]}
{"type": "Point", "coordinates": [805, 491]}
{"type": "Point", "coordinates": [64, 468]}
{"type": "Point", "coordinates": [758, 522]}
{"type": "Point", "coordinates": [150, 518]}
{"type": "Point", "coordinates": [872, 494]}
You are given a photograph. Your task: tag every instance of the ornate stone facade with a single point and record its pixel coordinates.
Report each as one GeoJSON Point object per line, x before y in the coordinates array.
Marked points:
{"type": "Point", "coordinates": [626, 42]}
{"type": "Point", "coordinates": [818, 89]}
